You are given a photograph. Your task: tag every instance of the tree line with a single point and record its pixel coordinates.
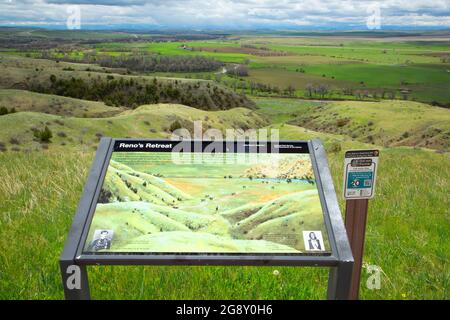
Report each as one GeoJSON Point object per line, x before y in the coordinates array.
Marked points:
{"type": "Point", "coordinates": [312, 91]}
{"type": "Point", "coordinates": [156, 63]}
{"type": "Point", "coordinates": [145, 62]}
{"type": "Point", "coordinates": [132, 92]}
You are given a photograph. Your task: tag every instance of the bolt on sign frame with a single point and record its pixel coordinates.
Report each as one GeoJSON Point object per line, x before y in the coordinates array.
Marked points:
{"type": "Point", "coordinates": [74, 258]}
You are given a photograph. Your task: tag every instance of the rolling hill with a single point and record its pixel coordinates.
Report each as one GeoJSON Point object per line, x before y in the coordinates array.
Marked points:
{"type": "Point", "coordinates": [145, 121]}
{"type": "Point", "coordinates": [22, 100]}
{"type": "Point", "coordinates": [114, 87]}
{"type": "Point", "coordinates": [386, 123]}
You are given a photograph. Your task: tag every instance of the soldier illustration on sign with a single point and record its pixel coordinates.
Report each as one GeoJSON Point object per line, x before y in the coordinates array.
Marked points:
{"type": "Point", "coordinates": [314, 244]}
{"type": "Point", "coordinates": [313, 241]}
{"type": "Point", "coordinates": [102, 240]}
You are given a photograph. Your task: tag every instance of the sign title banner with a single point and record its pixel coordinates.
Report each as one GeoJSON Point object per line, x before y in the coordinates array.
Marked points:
{"type": "Point", "coordinates": [211, 146]}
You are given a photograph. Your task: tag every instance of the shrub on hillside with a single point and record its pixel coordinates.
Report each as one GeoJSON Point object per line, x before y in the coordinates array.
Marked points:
{"type": "Point", "coordinates": [335, 147]}
{"type": "Point", "coordinates": [44, 136]}
{"type": "Point", "coordinates": [4, 110]}
{"type": "Point", "coordinates": [14, 141]}
{"type": "Point", "coordinates": [175, 126]}
{"type": "Point", "coordinates": [105, 196]}
{"type": "Point", "coordinates": [342, 122]}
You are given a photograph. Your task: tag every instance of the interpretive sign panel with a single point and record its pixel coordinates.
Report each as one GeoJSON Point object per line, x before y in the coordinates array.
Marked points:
{"type": "Point", "coordinates": [158, 198]}
{"type": "Point", "coordinates": [163, 202]}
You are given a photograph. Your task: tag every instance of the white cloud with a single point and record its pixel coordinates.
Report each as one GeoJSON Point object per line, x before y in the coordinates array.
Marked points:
{"type": "Point", "coordinates": [226, 13]}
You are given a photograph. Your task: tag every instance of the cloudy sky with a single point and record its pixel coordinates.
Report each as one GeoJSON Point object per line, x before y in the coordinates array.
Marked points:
{"type": "Point", "coordinates": [227, 14]}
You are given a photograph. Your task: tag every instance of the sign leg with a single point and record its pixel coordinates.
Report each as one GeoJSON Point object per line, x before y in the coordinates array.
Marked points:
{"type": "Point", "coordinates": [74, 280]}
{"type": "Point", "coordinates": [355, 223]}
{"type": "Point", "coordinates": [339, 281]}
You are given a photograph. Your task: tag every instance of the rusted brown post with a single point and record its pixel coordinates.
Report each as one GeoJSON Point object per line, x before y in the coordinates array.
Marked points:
{"type": "Point", "coordinates": [355, 223]}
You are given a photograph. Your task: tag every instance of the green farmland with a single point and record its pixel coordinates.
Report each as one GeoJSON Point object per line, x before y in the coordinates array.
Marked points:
{"type": "Point", "coordinates": [360, 64]}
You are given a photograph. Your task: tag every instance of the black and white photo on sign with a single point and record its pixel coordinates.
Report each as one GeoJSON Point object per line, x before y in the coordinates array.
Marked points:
{"type": "Point", "coordinates": [101, 240]}
{"type": "Point", "coordinates": [313, 241]}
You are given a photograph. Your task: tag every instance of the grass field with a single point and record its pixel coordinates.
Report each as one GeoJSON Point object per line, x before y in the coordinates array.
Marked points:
{"type": "Point", "coordinates": [407, 232]}
{"type": "Point", "coordinates": [174, 48]}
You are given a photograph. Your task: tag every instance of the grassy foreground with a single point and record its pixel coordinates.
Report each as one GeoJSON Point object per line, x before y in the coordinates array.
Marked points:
{"type": "Point", "coordinates": [406, 236]}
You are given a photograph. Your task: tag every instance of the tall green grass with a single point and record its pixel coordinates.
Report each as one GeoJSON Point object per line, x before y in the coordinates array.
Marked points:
{"type": "Point", "coordinates": [407, 237]}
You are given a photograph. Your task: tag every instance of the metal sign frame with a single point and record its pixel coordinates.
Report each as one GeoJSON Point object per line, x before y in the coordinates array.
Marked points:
{"type": "Point", "coordinates": [73, 262]}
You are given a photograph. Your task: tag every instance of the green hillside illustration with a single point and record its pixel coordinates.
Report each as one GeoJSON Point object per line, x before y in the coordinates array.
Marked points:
{"type": "Point", "coordinates": [153, 205]}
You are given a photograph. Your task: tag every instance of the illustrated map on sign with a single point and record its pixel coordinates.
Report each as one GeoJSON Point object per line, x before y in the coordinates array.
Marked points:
{"type": "Point", "coordinates": [152, 204]}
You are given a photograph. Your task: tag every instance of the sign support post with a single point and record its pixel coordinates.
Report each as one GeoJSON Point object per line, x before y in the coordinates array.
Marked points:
{"type": "Point", "coordinates": [355, 223]}
{"type": "Point", "coordinates": [360, 167]}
